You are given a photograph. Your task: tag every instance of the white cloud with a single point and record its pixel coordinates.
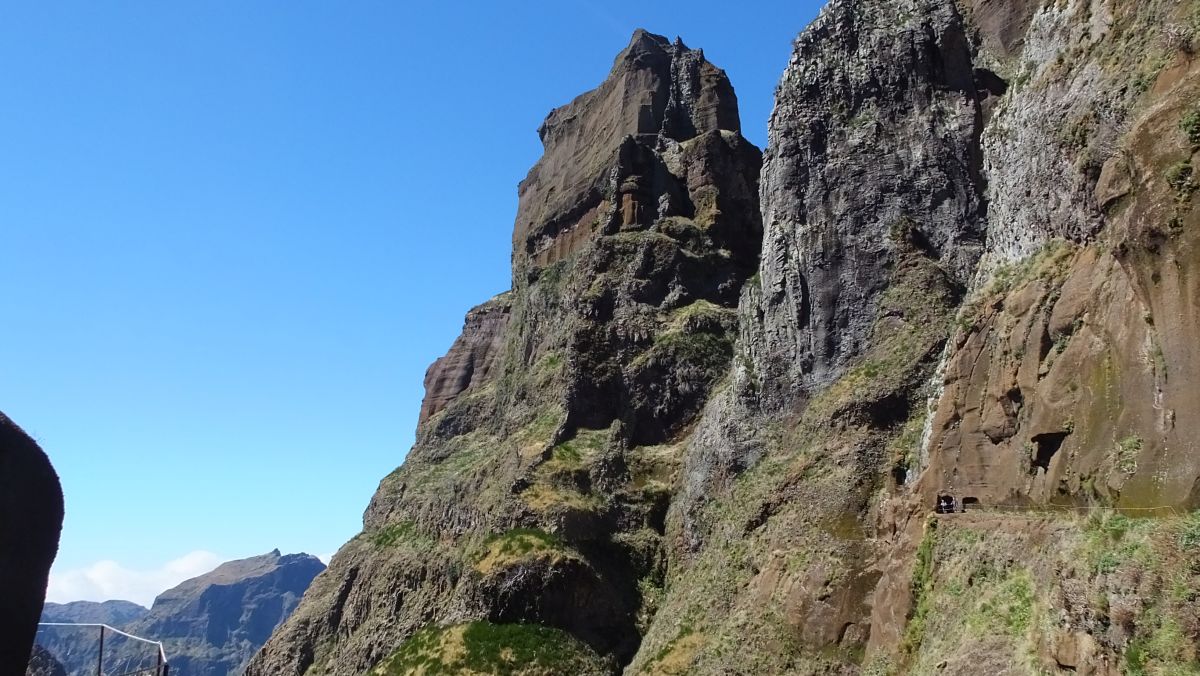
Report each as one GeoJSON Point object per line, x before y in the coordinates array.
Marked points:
{"type": "Point", "coordinates": [107, 580]}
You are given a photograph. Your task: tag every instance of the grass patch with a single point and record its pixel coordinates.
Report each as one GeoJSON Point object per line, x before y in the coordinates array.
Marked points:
{"type": "Point", "coordinates": [998, 586]}
{"type": "Point", "coordinates": [1009, 606]}
{"type": "Point", "coordinates": [702, 313]}
{"type": "Point", "coordinates": [486, 648]}
{"type": "Point", "coordinates": [547, 369]}
{"type": "Point", "coordinates": [1180, 177]}
{"type": "Point", "coordinates": [545, 495]}
{"type": "Point", "coordinates": [403, 533]}
{"type": "Point", "coordinates": [1190, 126]}
{"type": "Point", "coordinates": [652, 468]}
{"type": "Point", "coordinates": [562, 480]}
{"type": "Point", "coordinates": [579, 450]}
{"type": "Point", "coordinates": [706, 350]}
{"type": "Point", "coordinates": [521, 545]}
{"type": "Point", "coordinates": [535, 435]}
{"type": "Point", "coordinates": [442, 461]}
{"type": "Point", "coordinates": [1189, 533]}
{"type": "Point", "coordinates": [1125, 455]}
{"type": "Point", "coordinates": [1161, 647]}
{"type": "Point", "coordinates": [676, 657]}
{"type": "Point", "coordinates": [698, 335]}
{"type": "Point", "coordinates": [921, 587]}
{"type": "Point", "coordinates": [1112, 539]}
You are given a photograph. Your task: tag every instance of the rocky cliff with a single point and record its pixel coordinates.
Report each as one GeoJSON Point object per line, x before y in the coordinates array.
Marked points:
{"type": "Point", "coordinates": [43, 663]}
{"type": "Point", "coordinates": [701, 441]}
{"type": "Point", "coordinates": [531, 510]}
{"type": "Point", "coordinates": [986, 315]}
{"type": "Point", "coordinates": [31, 515]}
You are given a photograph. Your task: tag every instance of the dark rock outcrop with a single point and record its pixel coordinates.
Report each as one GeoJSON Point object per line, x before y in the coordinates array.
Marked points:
{"type": "Point", "coordinates": [875, 130]}
{"type": "Point", "coordinates": [31, 514]}
{"type": "Point", "coordinates": [43, 663]}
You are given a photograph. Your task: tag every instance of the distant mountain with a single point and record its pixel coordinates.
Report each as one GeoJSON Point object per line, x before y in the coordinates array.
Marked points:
{"type": "Point", "coordinates": [213, 624]}
{"type": "Point", "coordinates": [77, 647]}
{"type": "Point", "coordinates": [210, 625]}
{"type": "Point", "coordinates": [112, 613]}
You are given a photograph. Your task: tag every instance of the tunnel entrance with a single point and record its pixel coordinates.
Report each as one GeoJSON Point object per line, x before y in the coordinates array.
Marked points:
{"type": "Point", "coordinates": [1046, 446]}
{"type": "Point", "coordinates": [946, 504]}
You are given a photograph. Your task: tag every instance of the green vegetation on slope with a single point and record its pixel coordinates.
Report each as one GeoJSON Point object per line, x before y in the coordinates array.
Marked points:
{"type": "Point", "coordinates": [922, 591]}
{"type": "Point", "coordinates": [486, 648]}
{"type": "Point", "coordinates": [521, 545]}
{"type": "Point", "coordinates": [403, 533]}
{"type": "Point", "coordinates": [1022, 591]}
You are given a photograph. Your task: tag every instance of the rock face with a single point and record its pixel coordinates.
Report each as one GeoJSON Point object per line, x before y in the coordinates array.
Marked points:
{"type": "Point", "coordinates": [978, 223]}
{"type": "Point", "coordinates": [531, 510]}
{"type": "Point", "coordinates": [470, 359]}
{"type": "Point", "coordinates": [875, 130]}
{"type": "Point", "coordinates": [656, 89]}
{"type": "Point", "coordinates": [975, 279]}
{"type": "Point", "coordinates": [31, 514]}
{"type": "Point", "coordinates": [42, 663]}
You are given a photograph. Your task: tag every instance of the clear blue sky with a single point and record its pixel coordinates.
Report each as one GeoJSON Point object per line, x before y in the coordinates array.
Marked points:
{"type": "Point", "coordinates": [235, 234]}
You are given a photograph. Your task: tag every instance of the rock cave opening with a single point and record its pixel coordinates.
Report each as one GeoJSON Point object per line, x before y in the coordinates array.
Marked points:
{"type": "Point", "coordinates": [1046, 446]}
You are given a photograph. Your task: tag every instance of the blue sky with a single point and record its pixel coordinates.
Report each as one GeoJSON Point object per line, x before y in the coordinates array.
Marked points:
{"type": "Point", "coordinates": [235, 234]}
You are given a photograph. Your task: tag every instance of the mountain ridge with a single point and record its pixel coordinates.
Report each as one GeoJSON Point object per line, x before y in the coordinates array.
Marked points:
{"type": "Point", "coordinates": [114, 612]}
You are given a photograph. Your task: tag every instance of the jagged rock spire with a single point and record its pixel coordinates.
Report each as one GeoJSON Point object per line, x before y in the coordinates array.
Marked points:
{"type": "Point", "coordinates": [657, 91]}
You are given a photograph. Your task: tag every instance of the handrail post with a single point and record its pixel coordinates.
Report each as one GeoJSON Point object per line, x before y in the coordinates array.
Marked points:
{"type": "Point", "coordinates": [100, 658]}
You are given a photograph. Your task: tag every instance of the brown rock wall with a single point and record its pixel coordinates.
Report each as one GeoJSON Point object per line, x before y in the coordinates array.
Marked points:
{"type": "Point", "coordinates": [470, 359]}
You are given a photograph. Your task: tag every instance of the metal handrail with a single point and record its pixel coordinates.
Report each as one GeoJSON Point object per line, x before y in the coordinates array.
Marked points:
{"type": "Point", "coordinates": [163, 668]}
